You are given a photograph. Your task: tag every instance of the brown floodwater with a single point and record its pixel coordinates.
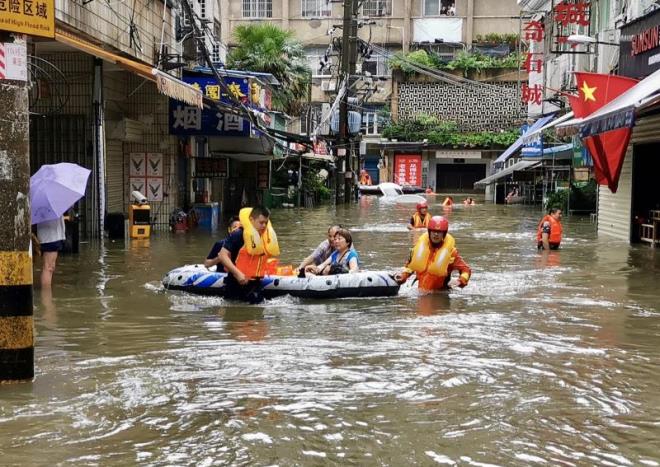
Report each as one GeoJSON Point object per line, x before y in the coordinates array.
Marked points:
{"type": "Point", "coordinates": [544, 359]}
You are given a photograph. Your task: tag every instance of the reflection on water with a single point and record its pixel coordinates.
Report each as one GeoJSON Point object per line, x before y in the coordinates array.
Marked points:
{"type": "Point", "coordinates": [546, 357]}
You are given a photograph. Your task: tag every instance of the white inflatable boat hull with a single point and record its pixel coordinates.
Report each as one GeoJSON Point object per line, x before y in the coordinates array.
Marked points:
{"type": "Point", "coordinates": [199, 280]}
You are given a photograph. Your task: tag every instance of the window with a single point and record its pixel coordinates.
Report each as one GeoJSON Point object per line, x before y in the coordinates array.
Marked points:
{"type": "Point", "coordinates": [314, 59]}
{"type": "Point", "coordinates": [257, 8]}
{"type": "Point", "coordinates": [373, 121]}
{"type": "Point", "coordinates": [376, 65]}
{"type": "Point", "coordinates": [377, 7]}
{"type": "Point", "coordinates": [439, 7]}
{"type": "Point", "coordinates": [316, 8]}
{"type": "Point", "coordinates": [370, 123]}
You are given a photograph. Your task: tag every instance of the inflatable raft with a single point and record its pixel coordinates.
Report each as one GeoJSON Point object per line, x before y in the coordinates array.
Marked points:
{"type": "Point", "coordinates": [199, 280]}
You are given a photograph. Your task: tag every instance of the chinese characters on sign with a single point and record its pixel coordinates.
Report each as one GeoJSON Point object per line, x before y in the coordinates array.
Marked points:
{"type": "Point", "coordinates": [13, 60]}
{"type": "Point", "coordinates": [211, 167]}
{"type": "Point", "coordinates": [187, 120]}
{"type": "Point", "coordinates": [534, 35]}
{"type": "Point", "coordinates": [408, 169]}
{"type": "Point", "coordinates": [32, 17]}
{"type": "Point", "coordinates": [569, 17]}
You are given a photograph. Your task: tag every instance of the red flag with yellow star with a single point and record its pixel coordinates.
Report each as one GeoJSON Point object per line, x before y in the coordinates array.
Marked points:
{"type": "Point", "coordinates": [607, 149]}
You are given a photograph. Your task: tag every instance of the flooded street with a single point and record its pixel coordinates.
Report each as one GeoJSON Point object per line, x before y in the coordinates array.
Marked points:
{"type": "Point", "coordinates": [546, 359]}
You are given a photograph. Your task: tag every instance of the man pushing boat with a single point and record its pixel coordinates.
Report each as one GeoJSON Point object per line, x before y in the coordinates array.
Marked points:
{"type": "Point", "coordinates": [434, 257]}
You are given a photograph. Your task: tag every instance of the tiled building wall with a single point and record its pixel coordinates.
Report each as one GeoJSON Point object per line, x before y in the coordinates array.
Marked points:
{"type": "Point", "coordinates": [493, 107]}
{"type": "Point", "coordinates": [111, 22]}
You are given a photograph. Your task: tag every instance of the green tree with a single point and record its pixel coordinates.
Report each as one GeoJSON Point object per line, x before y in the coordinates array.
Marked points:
{"type": "Point", "coordinates": [267, 48]}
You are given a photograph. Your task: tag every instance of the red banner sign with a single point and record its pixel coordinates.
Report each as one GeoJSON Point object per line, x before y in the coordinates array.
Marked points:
{"type": "Point", "coordinates": [408, 169]}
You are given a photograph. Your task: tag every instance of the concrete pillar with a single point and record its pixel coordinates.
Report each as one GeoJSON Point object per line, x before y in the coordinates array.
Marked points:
{"type": "Point", "coordinates": [469, 23]}
{"type": "Point", "coordinates": [285, 15]}
{"type": "Point", "coordinates": [406, 32]}
{"type": "Point", "coordinates": [16, 314]}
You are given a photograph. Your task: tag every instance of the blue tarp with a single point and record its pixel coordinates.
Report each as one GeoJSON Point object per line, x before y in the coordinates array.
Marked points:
{"type": "Point", "coordinates": [511, 150]}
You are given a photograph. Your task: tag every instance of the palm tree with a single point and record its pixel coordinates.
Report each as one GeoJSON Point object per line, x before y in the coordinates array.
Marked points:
{"type": "Point", "coordinates": [269, 49]}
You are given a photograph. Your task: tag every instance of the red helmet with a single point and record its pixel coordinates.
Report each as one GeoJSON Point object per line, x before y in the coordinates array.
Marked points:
{"type": "Point", "coordinates": [438, 223]}
{"type": "Point", "coordinates": [422, 205]}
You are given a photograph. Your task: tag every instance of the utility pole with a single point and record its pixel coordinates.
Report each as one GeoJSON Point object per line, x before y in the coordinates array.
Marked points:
{"type": "Point", "coordinates": [16, 315]}
{"type": "Point", "coordinates": [348, 61]}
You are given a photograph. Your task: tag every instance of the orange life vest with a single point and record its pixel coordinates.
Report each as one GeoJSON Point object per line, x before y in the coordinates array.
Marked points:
{"type": "Point", "coordinates": [365, 179]}
{"type": "Point", "coordinates": [555, 230]}
{"type": "Point", "coordinates": [418, 222]}
{"type": "Point", "coordinates": [256, 258]}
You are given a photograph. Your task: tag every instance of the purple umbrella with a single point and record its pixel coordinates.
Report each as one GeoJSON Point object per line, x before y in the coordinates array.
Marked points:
{"type": "Point", "coordinates": [54, 189]}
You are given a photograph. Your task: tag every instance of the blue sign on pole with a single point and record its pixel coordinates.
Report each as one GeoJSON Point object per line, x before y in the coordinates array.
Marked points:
{"type": "Point", "coordinates": [186, 120]}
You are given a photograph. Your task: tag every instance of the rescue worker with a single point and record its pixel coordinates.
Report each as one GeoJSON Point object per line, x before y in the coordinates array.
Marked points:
{"type": "Point", "coordinates": [549, 230]}
{"type": "Point", "coordinates": [434, 257]}
{"type": "Point", "coordinates": [448, 202]}
{"type": "Point", "coordinates": [420, 219]}
{"type": "Point", "coordinates": [248, 254]}
{"type": "Point", "coordinates": [365, 178]}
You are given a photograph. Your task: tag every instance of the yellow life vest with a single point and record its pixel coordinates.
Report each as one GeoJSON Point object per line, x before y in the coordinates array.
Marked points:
{"type": "Point", "coordinates": [258, 244]}
{"type": "Point", "coordinates": [421, 260]}
{"type": "Point", "coordinates": [419, 222]}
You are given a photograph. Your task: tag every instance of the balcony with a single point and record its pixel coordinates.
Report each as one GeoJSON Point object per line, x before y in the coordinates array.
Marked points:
{"type": "Point", "coordinates": [444, 28]}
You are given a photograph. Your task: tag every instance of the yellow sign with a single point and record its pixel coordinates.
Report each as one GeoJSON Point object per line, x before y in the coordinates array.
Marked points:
{"type": "Point", "coordinates": [32, 17]}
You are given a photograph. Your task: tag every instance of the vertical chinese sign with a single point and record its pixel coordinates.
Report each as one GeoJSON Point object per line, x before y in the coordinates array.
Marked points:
{"type": "Point", "coordinates": [569, 17]}
{"type": "Point", "coordinates": [408, 169]}
{"type": "Point", "coordinates": [533, 62]}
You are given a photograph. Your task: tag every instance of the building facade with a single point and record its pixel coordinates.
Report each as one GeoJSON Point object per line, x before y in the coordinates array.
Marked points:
{"type": "Point", "coordinates": [446, 26]}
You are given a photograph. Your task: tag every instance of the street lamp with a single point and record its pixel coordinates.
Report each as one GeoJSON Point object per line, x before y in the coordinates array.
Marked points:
{"type": "Point", "coordinates": [587, 40]}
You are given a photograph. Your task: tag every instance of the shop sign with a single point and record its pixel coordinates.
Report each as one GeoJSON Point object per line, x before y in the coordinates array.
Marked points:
{"type": "Point", "coordinates": [408, 169]}
{"type": "Point", "coordinates": [640, 47]}
{"type": "Point", "coordinates": [211, 167]}
{"type": "Point", "coordinates": [32, 17]}
{"type": "Point", "coordinates": [458, 154]}
{"type": "Point", "coordinates": [187, 120]}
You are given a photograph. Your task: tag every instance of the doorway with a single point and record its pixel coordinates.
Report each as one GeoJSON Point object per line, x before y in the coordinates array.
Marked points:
{"type": "Point", "coordinates": [458, 177]}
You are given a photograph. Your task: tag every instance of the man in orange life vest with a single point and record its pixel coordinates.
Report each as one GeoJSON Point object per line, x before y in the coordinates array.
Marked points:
{"type": "Point", "coordinates": [434, 257]}
{"type": "Point", "coordinates": [246, 254]}
{"type": "Point", "coordinates": [549, 230]}
{"type": "Point", "coordinates": [421, 217]}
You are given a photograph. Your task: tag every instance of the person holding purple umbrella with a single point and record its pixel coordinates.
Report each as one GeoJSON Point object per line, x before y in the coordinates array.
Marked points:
{"type": "Point", "coordinates": [51, 235]}
{"type": "Point", "coordinates": [54, 188]}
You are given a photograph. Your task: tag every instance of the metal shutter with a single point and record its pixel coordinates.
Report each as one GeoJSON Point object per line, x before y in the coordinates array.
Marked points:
{"type": "Point", "coordinates": [615, 209]}
{"type": "Point", "coordinates": [114, 176]}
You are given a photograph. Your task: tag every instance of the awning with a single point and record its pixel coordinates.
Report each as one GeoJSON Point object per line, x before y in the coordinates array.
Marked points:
{"type": "Point", "coordinates": [535, 151]}
{"type": "Point", "coordinates": [511, 150]}
{"type": "Point", "coordinates": [618, 113]}
{"type": "Point", "coordinates": [517, 167]}
{"type": "Point", "coordinates": [166, 84]}
{"type": "Point", "coordinates": [532, 135]}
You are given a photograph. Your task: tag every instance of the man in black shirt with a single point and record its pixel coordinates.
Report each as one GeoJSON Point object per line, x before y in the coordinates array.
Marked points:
{"type": "Point", "coordinates": [213, 258]}
{"type": "Point", "coordinates": [237, 284]}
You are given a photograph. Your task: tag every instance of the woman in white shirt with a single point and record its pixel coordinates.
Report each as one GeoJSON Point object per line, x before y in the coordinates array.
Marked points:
{"type": "Point", "coordinates": [51, 235]}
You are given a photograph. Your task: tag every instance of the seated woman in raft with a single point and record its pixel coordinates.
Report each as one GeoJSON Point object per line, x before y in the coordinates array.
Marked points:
{"type": "Point", "coordinates": [343, 260]}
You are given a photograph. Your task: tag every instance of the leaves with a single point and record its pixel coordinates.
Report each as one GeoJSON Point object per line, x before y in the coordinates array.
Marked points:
{"type": "Point", "coordinates": [466, 61]}
{"type": "Point", "coordinates": [446, 133]}
{"type": "Point", "coordinates": [267, 48]}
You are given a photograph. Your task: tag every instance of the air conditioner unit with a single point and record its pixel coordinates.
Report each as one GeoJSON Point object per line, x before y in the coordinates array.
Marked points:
{"type": "Point", "coordinates": [328, 85]}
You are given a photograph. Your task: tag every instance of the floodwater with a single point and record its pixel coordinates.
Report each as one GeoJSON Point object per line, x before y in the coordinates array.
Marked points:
{"type": "Point", "coordinates": [544, 359]}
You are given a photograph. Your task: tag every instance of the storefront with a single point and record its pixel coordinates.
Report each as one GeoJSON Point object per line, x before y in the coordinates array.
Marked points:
{"type": "Point", "coordinates": [625, 214]}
